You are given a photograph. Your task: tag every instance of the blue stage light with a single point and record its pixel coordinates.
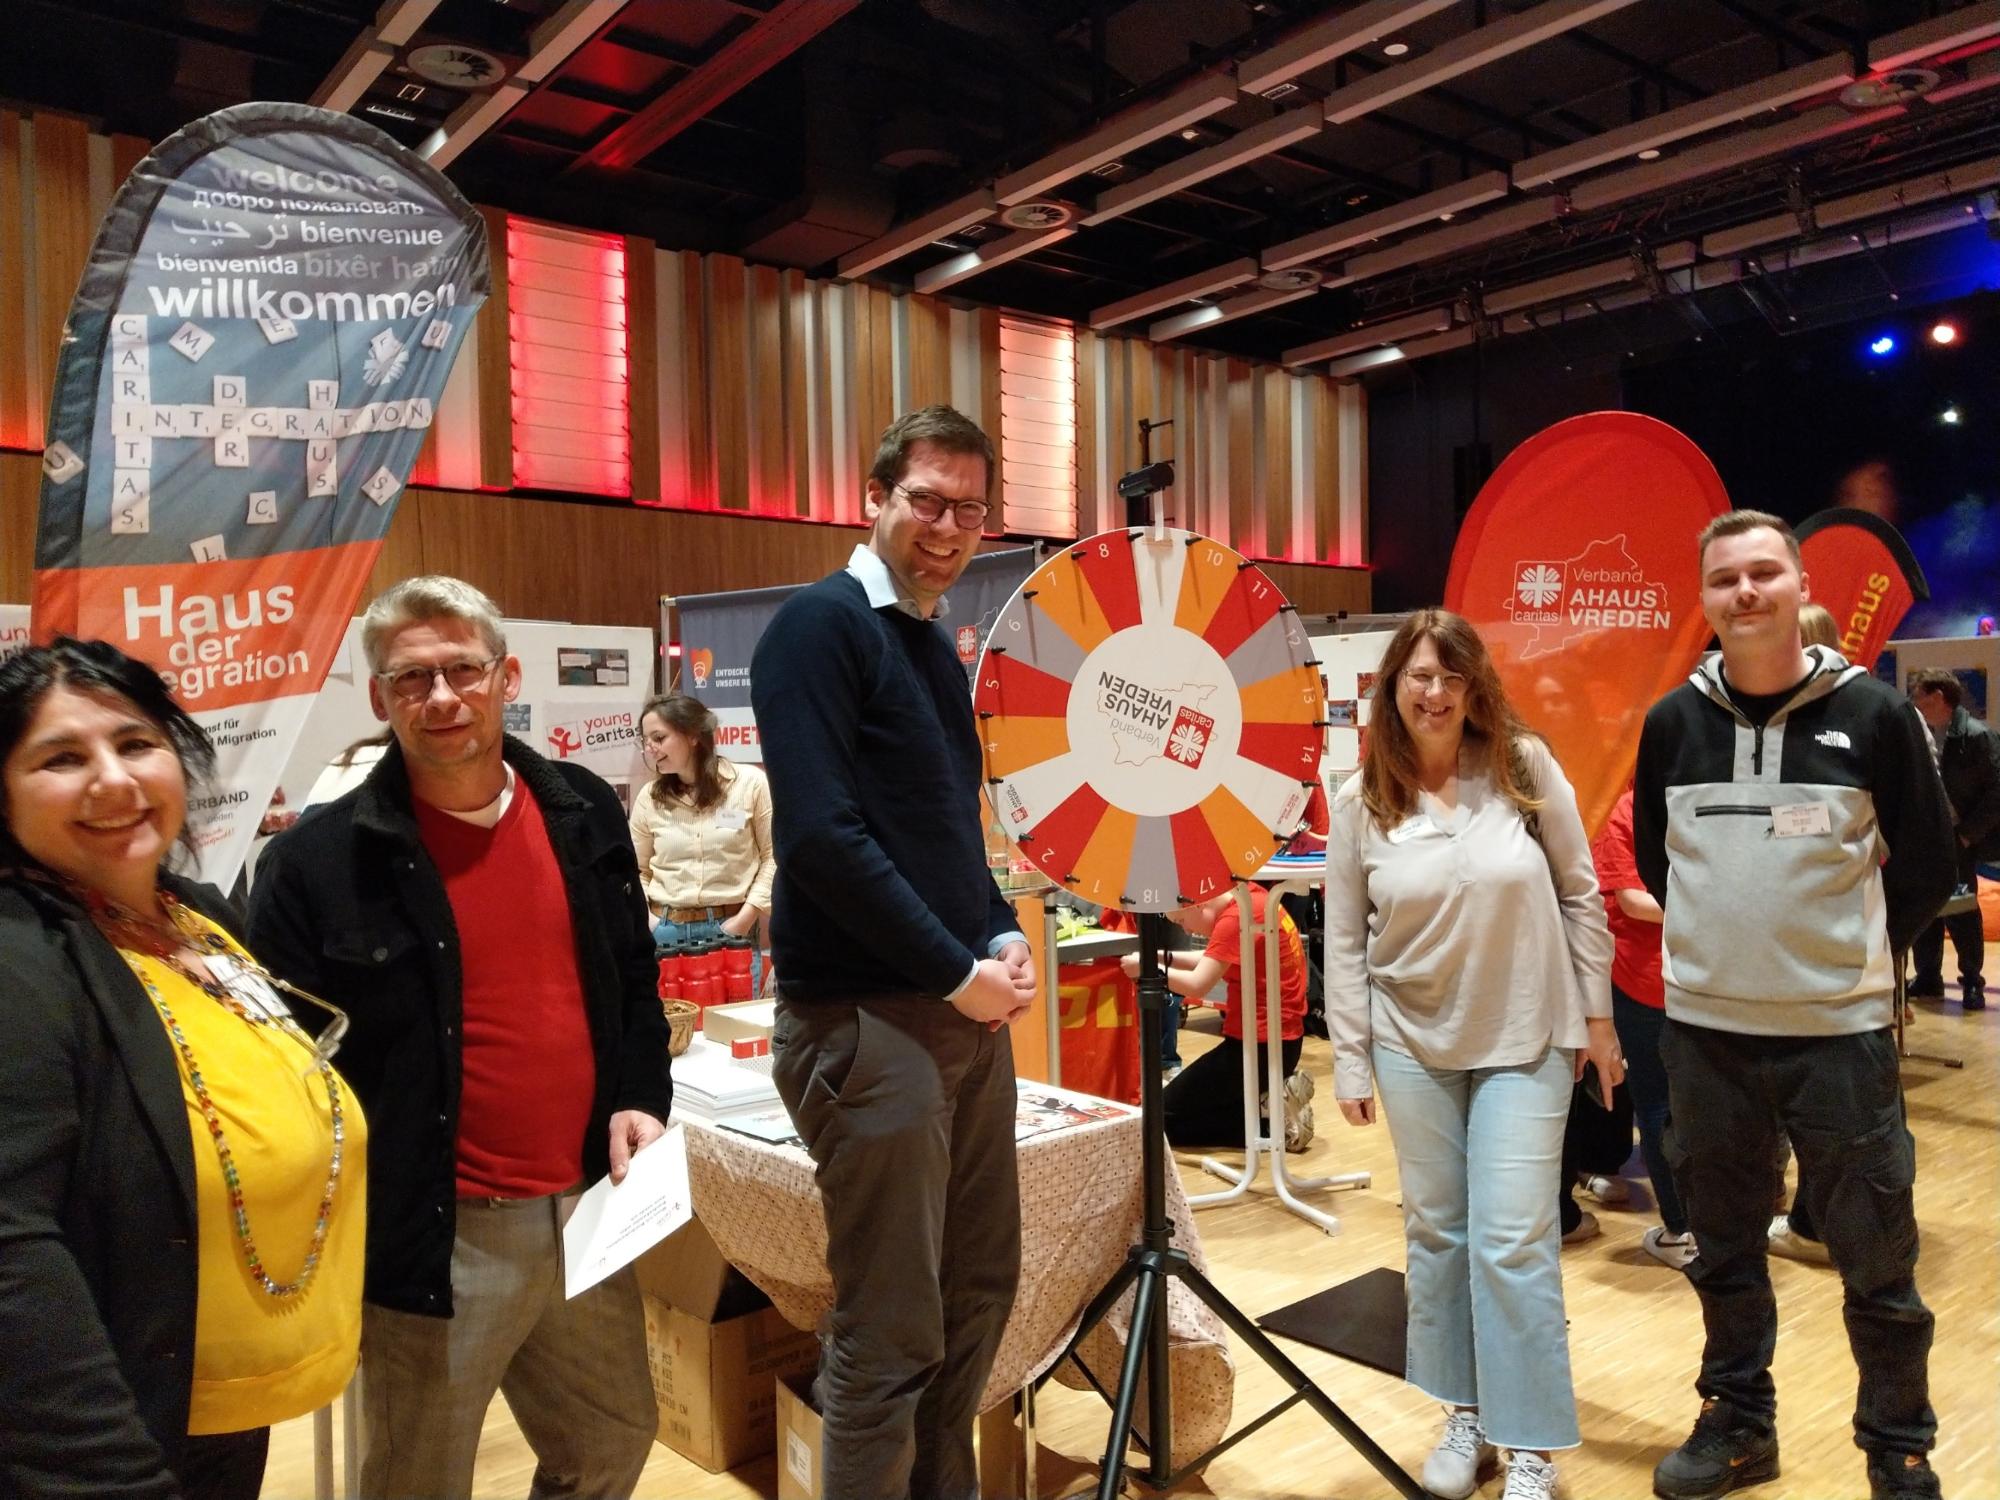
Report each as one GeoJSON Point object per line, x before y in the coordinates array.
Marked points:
{"type": "Point", "coordinates": [1883, 345]}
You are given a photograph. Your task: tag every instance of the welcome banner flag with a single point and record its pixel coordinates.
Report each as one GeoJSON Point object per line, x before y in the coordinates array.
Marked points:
{"type": "Point", "coordinates": [254, 355]}
{"type": "Point", "coordinates": [1577, 564]}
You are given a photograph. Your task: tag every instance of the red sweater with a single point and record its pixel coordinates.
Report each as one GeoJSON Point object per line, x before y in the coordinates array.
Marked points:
{"type": "Point", "coordinates": [527, 1070]}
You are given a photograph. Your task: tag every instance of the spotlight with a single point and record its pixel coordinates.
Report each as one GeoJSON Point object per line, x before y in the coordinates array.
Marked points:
{"type": "Point", "coordinates": [1944, 331]}
{"type": "Point", "coordinates": [1395, 49]}
{"type": "Point", "coordinates": [1651, 153]}
{"type": "Point", "coordinates": [1882, 346]}
{"type": "Point", "coordinates": [1949, 416]}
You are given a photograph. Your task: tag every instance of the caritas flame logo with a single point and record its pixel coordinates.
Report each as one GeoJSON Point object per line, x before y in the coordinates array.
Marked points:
{"type": "Point", "coordinates": [702, 664]}
{"type": "Point", "coordinates": [968, 644]}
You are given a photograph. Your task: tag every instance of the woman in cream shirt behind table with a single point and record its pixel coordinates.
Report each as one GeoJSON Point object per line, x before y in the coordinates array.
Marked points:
{"type": "Point", "coordinates": [1467, 975]}
{"type": "Point", "coordinates": [702, 831]}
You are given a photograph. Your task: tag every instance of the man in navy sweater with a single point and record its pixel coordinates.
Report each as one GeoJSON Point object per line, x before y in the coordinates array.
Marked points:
{"type": "Point", "coordinates": [899, 971]}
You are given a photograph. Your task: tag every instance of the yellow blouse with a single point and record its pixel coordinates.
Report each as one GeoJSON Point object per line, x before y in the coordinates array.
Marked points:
{"type": "Point", "coordinates": [716, 857]}
{"type": "Point", "coordinates": [259, 1359]}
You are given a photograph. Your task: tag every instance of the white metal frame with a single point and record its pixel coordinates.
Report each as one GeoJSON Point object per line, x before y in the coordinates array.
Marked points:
{"type": "Point", "coordinates": [1280, 882]}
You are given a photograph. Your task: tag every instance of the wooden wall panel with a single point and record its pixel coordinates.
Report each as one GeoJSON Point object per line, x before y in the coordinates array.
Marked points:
{"type": "Point", "coordinates": [767, 397]}
{"type": "Point", "coordinates": [496, 373]}
{"type": "Point", "coordinates": [1325, 407]}
{"type": "Point", "coordinates": [17, 403]}
{"type": "Point", "coordinates": [1242, 452]}
{"type": "Point", "coordinates": [1277, 495]}
{"type": "Point", "coordinates": [881, 369]}
{"type": "Point", "coordinates": [988, 415]}
{"type": "Point", "coordinates": [20, 495]}
{"type": "Point", "coordinates": [642, 367]}
{"type": "Point", "coordinates": [63, 228]}
{"type": "Point", "coordinates": [729, 380]}
{"type": "Point", "coordinates": [127, 151]}
{"type": "Point", "coordinates": [930, 352]}
{"type": "Point", "coordinates": [700, 457]}
{"type": "Point", "coordinates": [796, 495]}
{"type": "Point", "coordinates": [1089, 350]}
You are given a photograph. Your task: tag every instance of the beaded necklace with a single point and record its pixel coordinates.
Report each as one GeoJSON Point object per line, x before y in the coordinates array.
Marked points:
{"type": "Point", "coordinates": [134, 933]}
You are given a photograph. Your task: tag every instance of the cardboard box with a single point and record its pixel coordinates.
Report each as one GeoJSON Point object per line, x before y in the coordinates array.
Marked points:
{"type": "Point", "coordinates": [743, 1021]}
{"type": "Point", "coordinates": [686, 1270]}
{"type": "Point", "coordinates": [798, 1435]}
{"type": "Point", "coordinates": [716, 1382]}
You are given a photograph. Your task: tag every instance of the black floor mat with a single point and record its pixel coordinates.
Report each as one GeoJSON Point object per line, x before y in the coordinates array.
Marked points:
{"type": "Point", "coordinates": [1362, 1320]}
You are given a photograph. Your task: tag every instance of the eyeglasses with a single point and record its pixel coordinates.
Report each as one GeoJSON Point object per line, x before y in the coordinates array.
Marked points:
{"type": "Point", "coordinates": [928, 506]}
{"type": "Point", "coordinates": [1421, 683]}
{"type": "Point", "coordinates": [414, 684]}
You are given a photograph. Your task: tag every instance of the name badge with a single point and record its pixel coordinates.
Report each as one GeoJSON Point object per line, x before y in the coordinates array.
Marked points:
{"type": "Point", "coordinates": [731, 817]}
{"type": "Point", "coordinates": [250, 990]}
{"type": "Point", "coordinates": [1797, 820]}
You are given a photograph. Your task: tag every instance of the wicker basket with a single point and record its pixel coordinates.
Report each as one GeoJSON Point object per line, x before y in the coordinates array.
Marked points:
{"type": "Point", "coordinates": [681, 1016]}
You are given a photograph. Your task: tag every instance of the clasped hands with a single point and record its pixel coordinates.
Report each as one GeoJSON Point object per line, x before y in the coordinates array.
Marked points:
{"type": "Point", "coordinates": [1002, 988]}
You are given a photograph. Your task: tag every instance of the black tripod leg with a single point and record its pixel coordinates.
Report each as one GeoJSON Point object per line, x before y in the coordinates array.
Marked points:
{"type": "Point", "coordinates": [1261, 1345]}
{"type": "Point", "coordinates": [1103, 1302]}
{"type": "Point", "coordinates": [1150, 1294]}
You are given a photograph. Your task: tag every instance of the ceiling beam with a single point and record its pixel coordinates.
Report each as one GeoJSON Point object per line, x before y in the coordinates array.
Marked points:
{"type": "Point", "coordinates": [1245, 146]}
{"type": "Point", "coordinates": [1128, 131]}
{"type": "Point", "coordinates": [1497, 225]}
{"type": "Point", "coordinates": [1463, 54]}
{"type": "Point", "coordinates": [1956, 28]}
{"type": "Point", "coordinates": [766, 42]}
{"type": "Point", "coordinates": [1319, 42]}
{"type": "Point", "coordinates": [959, 268]}
{"type": "Point", "coordinates": [974, 208]}
{"type": "Point", "coordinates": [550, 44]}
{"type": "Point", "coordinates": [1201, 284]}
{"type": "Point", "coordinates": [1822, 76]}
{"type": "Point", "coordinates": [1389, 331]}
{"type": "Point", "coordinates": [1385, 221]}
{"type": "Point", "coordinates": [371, 53]}
{"type": "Point", "coordinates": [1226, 311]}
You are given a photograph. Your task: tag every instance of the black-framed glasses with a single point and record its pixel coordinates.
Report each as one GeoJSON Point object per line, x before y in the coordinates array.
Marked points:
{"type": "Point", "coordinates": [929, 507]}
{"type": "Point", "coordinates": [414, 684]}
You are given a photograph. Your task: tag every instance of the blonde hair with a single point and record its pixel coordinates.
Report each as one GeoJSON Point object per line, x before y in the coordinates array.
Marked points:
{"type": "Point", "coordinates": [1389, 769]}
{"type": "Point", "coordinates": [432, 596]}
{"type": "Point", "coordinates": [1816, 626]}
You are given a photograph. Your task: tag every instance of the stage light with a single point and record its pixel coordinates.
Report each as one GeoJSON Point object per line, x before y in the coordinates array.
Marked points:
{"type": "Point", "coordinates": [1882, 346]}
{"type": "Point", "coordinates": [1944, 331]}
{"type": "Point", "coordinates": [1949, 416]}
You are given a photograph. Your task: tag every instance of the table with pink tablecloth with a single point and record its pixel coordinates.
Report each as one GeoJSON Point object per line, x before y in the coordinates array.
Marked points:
{"type": "Point", "coordinates": [1081, 1206]}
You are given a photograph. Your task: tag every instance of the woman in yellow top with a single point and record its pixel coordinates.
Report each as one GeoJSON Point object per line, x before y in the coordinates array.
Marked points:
{"type": "Point", "coordinates": [181, 1170]}
{"type": "Point", "coordinates": [702, 831]}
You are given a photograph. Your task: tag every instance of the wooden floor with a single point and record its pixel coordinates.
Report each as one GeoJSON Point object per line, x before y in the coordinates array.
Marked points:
{"type": "Point", "coordinates": [1635, 1332]}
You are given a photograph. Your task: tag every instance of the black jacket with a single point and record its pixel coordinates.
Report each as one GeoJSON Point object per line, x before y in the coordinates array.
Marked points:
{"type": "Point", "coordinates": [348, 905]}
{"type": "Point", "coordinates": [1969, 761]}
{"type": "Point", "coordinates": [97, 1213]}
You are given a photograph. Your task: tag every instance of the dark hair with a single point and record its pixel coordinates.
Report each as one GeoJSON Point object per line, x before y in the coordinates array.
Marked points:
{"type": "Point", "coordinates": [941, 426]}
{"type": "Point", "coordinates": [1736, 522]}
{"type": "Point", "coordinates": [1937, 680]}
{"type": "Point", "coordinates": [696, 720]}
{"type": "Point", "coordinates": [1389, 770]}
{"type": "Point", "coordinates": [100, 668]}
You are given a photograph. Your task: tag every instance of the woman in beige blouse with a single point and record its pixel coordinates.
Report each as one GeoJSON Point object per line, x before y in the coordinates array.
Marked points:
{"type": "Point", "coordinates": [702, 831]}
{"type": "Point", "coordinates": [1468, 971]}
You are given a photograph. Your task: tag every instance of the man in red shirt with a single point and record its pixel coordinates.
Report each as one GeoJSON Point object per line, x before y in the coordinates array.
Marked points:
{"type": "Point", "coordinates": [1204, 1104]}
{"type": "Point", "coordinates": [477, 911]}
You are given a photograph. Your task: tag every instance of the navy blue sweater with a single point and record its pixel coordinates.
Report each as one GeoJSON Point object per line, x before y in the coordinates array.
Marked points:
{"type": "Point", "coordinates": [875, 768]}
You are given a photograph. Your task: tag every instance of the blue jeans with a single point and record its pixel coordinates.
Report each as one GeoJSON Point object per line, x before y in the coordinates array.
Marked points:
{"type": "Point", "coordinates": [666, 934]}
{"type": "Point", "coordinates": [1479, 1153]}
{"type": "Point", "coordinates": [1646, 1078]}
{"type": "Point", "coordinates": [1170, 1031]}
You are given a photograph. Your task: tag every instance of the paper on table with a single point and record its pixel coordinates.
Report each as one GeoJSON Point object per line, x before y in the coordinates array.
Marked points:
{"type": "Point", "coordinates": [612, 1226]}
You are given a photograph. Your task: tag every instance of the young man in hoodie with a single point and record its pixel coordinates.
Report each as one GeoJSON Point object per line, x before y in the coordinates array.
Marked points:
{"type": "Point", "coordinates": [1789, 818]}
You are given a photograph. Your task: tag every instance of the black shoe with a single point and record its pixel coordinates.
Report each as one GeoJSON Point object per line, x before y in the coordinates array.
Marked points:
{"type": "Point", "coordinates": [1720, 1455]}
{"type": "Point", "coordinates": [1902, 1476]}
{"type": "Point", "coordinates": [1925, 989]}
{"type": "Point", "coordinates": [1975, 997]}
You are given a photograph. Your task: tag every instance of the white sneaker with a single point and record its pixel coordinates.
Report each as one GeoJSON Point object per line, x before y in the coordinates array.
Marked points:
{"type": "Point", "coordinates": [1298, 1111]}
{"type": "Point", "coordinates": [1452, 1470]}
{"type": "Point", "coordinates": [1529, 1478]}
{"type": "Point", "coordinates": [1606, 1190]}
{"type": "Point", "coordinates": [1675, 1250]}
{"type": "Point", "coordinates": [1796, 1246]}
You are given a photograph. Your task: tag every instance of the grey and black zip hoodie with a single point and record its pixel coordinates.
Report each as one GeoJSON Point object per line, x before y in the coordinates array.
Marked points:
{"type": "Point", "coordinates": [1794, 860]}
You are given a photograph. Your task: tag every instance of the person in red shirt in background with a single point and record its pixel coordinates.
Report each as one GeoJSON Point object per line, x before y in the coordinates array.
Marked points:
{"type": "Point", "coordinates": [1205, 1102]}
{"type": "Point", "coordinates": [1638, 1008]}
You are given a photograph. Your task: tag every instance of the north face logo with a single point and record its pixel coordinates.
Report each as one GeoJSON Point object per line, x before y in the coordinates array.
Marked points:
{"type": "Point", "coordinates": [1835, 739]}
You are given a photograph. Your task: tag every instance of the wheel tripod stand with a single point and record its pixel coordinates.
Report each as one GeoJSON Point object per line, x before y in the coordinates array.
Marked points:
{"type": "Point", "coordinates": [1149, 1267]}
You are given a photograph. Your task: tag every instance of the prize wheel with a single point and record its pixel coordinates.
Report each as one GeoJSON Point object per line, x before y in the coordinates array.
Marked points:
{"type": "Point", "coordinates": [1151, 716]}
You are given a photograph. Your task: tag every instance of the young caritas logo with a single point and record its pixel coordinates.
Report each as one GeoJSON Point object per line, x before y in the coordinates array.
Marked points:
{"type": "Point", "coordinates": [1601, 588]}
{"type": "Point", "coordinates": [593, 733]}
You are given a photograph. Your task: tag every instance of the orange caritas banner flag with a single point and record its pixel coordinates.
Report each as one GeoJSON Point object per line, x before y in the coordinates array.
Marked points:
{"type": "Point", "coordinates": [1577, 564]}
{"type": "Point", "coordinates": [1100, 1030]}
{"type": "Point", "coordinates": [253, 359]}
{"type": "Point", "coordinates": [1859, 567]}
